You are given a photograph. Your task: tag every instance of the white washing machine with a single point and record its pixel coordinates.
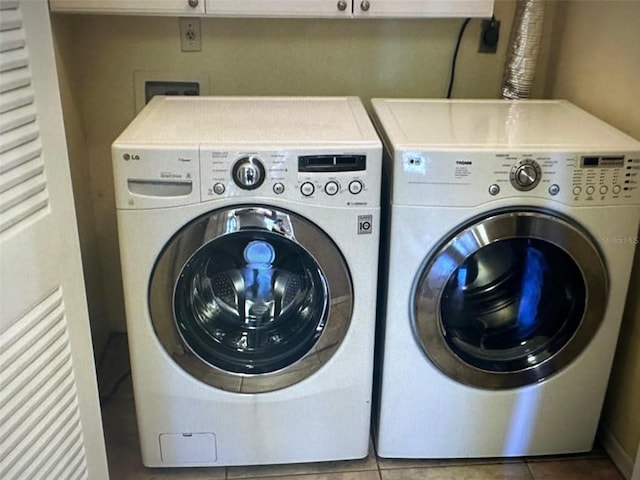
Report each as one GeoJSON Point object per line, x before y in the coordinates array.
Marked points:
{"type": "Point", "coordinates": [249, 232]}
{"type": "Point", "coordinates": [512, 231]}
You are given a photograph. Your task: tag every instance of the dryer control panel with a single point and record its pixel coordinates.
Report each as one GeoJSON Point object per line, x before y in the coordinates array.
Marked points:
{"type": "Point", "coordinates": [467, 178]}
{"type": "Point", "coordinates": [470, 152]}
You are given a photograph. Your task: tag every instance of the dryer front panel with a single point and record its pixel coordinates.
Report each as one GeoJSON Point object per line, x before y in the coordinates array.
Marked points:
{"type": "Point", "coordinates": [250, 299]}
{"type": "Point", "coordinates": [509, 299]}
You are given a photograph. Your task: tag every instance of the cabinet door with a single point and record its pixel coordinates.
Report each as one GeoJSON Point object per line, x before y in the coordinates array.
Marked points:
{"type": "Point", "coordinates": [422, 8]}
{"type": "Point", "coordinates": [50, 425]}
{"type": "Point", "coordinates": [280, 8]}
{"type": "Point", "coordinates": [141, 7]}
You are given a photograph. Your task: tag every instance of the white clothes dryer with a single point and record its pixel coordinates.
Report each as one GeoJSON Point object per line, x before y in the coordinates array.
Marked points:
{"type": "Point", "coordinates": [248, 233]}
{"type": "Point", "coordinates": [512, 232]}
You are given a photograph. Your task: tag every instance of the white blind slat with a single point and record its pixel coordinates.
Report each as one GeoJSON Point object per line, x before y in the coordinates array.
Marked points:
{"type": "Point", "coordinates": [17, 118]}
{"type": "Point", "coordinates": [15, 78]}
{"type": "Point", "coordinates": [12, 39]}
{"type": "Point", "coordinates": [15, 98]}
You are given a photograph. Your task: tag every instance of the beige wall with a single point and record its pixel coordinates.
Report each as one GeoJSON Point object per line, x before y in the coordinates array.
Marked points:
{"type": "Point", "coordinates": [82, 187]}
{"type": "Point", "coordinates": [595, 62]}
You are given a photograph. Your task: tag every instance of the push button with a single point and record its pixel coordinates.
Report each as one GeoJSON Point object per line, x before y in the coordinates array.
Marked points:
{"type": "Point", "coordinates": [218, 188]}
{"type": "Point", "coordinates": [355, 187]}
{"type": "Point", "coordinates": [278, 188]}
{"type": "Point", "coordinates": [331, 188]}
{"type": "Point", "coordinates": [307, 189]}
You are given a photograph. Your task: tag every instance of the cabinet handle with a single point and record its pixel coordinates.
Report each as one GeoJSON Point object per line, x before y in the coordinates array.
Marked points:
{"type": "Point", "coordinates": [193, 3]}
{"type": "Point", "coordinates": [364, 5]}
{"type": "Point", "coordinates": [342, 5]}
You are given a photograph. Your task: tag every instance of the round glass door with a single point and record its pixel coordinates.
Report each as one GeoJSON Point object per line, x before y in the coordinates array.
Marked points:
{"type": "Point", "coordinates": [259, 299]}
{"type": "Point", "coordinates": [510, 299]}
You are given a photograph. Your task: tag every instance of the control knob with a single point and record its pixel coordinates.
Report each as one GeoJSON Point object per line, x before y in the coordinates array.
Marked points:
{"type": "Point", "coordinates": [248, 173]}
{"type": "Point", "coordinates": [525, 175]}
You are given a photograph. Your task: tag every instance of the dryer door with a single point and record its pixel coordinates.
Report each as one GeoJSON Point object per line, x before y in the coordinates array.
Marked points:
{"type": "Point", "coordinates": [250, 299]}
{"type": "Point", "coordinates": [509, 299]}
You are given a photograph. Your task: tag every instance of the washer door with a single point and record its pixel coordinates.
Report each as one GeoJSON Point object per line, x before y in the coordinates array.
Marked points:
{"type": "Point", "coordinates": [250, 299]}
{"type": "Point", "coordinates": [510, 299]}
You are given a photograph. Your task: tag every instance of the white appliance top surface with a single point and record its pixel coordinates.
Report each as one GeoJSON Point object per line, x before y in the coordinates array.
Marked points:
{"type": "Point", "coordinates": [251, 120]}
{"type": "Point", "coordinates": [486, 124]}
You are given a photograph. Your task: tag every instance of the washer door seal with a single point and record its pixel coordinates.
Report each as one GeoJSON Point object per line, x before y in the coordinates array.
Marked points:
{"type": "Point", "coordinates": [250, 299]}
{"type": "Point", "coordinates": [509, 299]}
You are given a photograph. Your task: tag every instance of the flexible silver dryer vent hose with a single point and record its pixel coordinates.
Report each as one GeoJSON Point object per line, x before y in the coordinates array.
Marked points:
{"type": "Point", "coordinates": [523, 49]}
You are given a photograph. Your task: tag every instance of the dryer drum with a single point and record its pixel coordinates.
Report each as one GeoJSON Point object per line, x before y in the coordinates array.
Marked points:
{"type": "Point", "coordinates": [518, 318]}
{"type": "Point", "coordinates": [510, 299]}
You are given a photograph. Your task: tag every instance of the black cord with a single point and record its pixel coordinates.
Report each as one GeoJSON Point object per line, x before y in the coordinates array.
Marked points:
{"type": "Point", "coordinates": [114, 343]}
{"type": "Point", "coordinates": [455, 56]}
{"type": "Point", "coordinates": [106, 398]}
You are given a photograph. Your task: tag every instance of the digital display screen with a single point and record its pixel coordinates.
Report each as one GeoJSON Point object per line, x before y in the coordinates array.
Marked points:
{"type": "Point", "coordinates": [332, 163]}
{"type": "Point", "coordinates": [604, 161]}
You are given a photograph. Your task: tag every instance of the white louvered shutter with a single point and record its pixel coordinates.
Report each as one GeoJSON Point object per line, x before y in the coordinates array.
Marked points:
{"type": "Point", "coordinates": [50, 426]}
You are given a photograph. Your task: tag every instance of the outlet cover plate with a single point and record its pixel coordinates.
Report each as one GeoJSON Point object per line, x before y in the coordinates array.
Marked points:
{"type": "Point", "coordinates": [190, 35]}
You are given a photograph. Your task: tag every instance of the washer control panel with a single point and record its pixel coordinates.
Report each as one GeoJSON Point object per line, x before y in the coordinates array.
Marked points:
{"type": "Point", "coordinates": [161, 177]}
{"type": "Point", "coordinates": [466, 177]}
{"type": "Point", "coordinates": [329, 178]}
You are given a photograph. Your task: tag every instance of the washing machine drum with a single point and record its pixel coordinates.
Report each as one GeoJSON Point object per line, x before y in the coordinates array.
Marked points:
{"type": "Point", "coordinates": [510, 299]}
{"type": "Point", "coordinates": [250, 299]}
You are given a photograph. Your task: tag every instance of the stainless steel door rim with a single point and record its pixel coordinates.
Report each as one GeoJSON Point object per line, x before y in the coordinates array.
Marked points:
{"type": "Point", "coordinates": [469, 309]}
{"type": "Point", "coordinates": [250, 298]}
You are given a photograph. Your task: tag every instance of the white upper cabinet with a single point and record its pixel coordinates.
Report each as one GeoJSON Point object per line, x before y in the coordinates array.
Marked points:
{"type": "Point", "coordinates": [130, 7]}
{"type": "Point", "coordinates": [280, 8]}
{"type": "Point", "coordinates": [283, 8]}
{"type": "Point", "coordinates": [422, 8]}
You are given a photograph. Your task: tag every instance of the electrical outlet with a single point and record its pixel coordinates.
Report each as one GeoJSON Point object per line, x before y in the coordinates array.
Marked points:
{"type": "Point", "coordinates": [190, 35]}
{"type": "Point", "coordinates": [489, 36]}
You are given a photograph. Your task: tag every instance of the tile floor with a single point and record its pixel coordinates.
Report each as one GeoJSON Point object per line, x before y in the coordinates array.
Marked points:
{"type": "Point", "coordinates": [124, 455]}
